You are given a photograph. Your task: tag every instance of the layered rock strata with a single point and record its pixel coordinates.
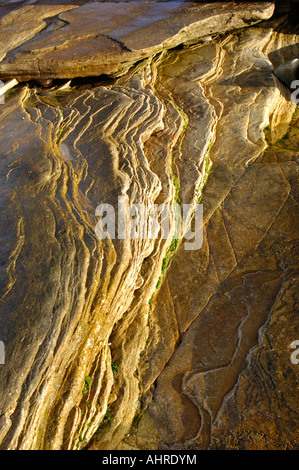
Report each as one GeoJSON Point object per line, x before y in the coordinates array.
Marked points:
{"type": "Point", "coordinates": [139, 343]}
{"type": "Point", "coordinates": [224, 319]}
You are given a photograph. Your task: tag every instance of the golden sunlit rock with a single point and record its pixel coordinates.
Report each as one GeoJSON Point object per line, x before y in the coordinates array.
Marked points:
{"type": "Point", "coordinates": [138, 343]}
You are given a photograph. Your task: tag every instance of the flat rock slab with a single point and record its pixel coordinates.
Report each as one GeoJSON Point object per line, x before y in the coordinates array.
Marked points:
{"type": "Point", "coordinates": [107, 38]}
{"type": "Point", "coordinates": [21, 25]}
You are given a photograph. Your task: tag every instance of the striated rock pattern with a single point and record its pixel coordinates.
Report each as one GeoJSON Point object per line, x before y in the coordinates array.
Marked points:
{"type": "Point", "coordinates": [132, 343]}
{"type": "Point", "coordinates": [225, 317]}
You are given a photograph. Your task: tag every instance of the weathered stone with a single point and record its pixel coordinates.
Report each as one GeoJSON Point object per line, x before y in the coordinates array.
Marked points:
{"type": "Point", "coordinates": [224, 299]}
{"type": "Point", "coordinates": [21, 25]}
{"type": "Point", "coordinates": [67, 301]}
{"type": "Point", "coordinates": [92, 39]}
{"type": "Point", "coordinates": [140, 344]}
{"type": "Point", "coordinates": [288, 72]}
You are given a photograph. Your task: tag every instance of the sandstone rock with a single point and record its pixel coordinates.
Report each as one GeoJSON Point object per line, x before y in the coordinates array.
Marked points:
{"type": "Point", "coordinates": [61, 212]}
{"type": "Point", "coordinates": [140, 344]}
{"type": "Point", "coordinates": [288, 72]}
{"type": "Point", "coordinates": [223, 366]}
{"type": "Point", "coordinates": [92, 39]}
{"type": "Point", "coordinates": [21, 25]}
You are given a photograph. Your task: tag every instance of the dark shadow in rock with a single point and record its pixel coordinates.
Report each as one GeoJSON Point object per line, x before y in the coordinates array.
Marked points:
{"type": "Point", "coordinates": [288, 72]}
{"type": "Point", "coordinates": [283, 55]}
{"type": "Point", "coordinates": [82, 83]}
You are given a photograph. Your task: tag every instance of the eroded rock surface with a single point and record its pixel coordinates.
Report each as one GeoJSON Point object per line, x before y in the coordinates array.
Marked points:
{"type": "Point", "coordinates": [288, 72]}
{"type": "Point", "coordinates": [233, 305]}
{"type": "Point", "coordinates": [141, 344]}
{"type": "Point", "coordinates": [105, 38]}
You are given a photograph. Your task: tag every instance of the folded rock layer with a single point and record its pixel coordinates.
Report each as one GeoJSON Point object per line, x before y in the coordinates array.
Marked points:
{"type": "Point", "coordinates": [132, 343]}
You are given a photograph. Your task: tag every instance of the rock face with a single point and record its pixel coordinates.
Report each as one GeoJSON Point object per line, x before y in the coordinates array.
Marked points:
{"type": "Point", "coordinates": [105, 38]}
{"type": "Point", "coordinates": [139, 343]}
{"type": "Point", "coordinates": [288, 72]}
{"type": "Point", "coordinates": [232, 308]}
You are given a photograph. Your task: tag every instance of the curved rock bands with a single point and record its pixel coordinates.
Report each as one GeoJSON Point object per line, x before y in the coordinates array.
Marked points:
{"type": "Point", "coordinates": [88, 149]}
{"type": "Point", "coordinates": [219, 374]}
{"type": "Point", "coordinates": [136, 343]}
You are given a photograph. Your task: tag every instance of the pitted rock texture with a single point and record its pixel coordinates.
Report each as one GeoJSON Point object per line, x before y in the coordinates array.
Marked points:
{"type": "Point", "coordinates": [140, 344]}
